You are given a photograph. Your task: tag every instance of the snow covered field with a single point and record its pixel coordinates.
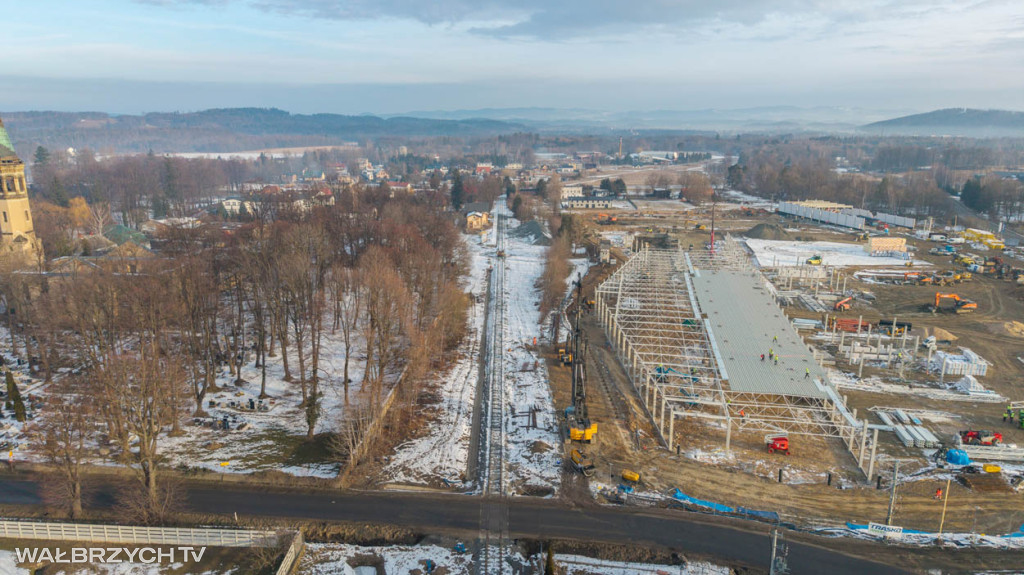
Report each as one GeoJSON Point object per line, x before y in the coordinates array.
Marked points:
{"type": "Point", "coordinates": [274, 438]}
{"type": "Point", "coordinates": [532, 454]}
{"type": "Point", "coordinates": [771, 253]}
{"type": "Point", "coordinates": [334, 559]}
{"type": "Point", "coordinates": [444, 452]}
{"type": "Point", "coordinates": [579, 565]}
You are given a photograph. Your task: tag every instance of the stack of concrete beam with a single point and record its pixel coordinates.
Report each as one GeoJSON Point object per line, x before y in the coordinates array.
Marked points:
{"type": "Point", "coordinates": [908, 429]}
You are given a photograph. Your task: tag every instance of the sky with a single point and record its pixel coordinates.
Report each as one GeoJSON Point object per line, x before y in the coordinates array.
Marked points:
{"type": "Point", "coordinates": [395, 56]}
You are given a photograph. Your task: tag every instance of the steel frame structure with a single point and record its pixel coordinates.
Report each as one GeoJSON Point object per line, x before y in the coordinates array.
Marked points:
{"type": "Point", "coordinates": [650, 313]}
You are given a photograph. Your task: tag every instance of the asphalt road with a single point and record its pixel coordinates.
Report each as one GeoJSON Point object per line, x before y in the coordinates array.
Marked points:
{"type": "Point", "coordinates": [743, 542]}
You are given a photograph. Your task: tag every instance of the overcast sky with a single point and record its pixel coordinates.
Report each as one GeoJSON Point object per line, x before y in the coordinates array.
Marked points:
{"type": "Point", "coordinates": [391, 56]}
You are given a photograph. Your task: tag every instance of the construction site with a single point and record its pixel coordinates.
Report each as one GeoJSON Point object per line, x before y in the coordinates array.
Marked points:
{"type": "Point", "coordinates": [763, 361]}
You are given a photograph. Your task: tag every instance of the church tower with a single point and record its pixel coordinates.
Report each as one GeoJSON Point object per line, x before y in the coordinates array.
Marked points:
{"type": "Point", "coordinates": [17, 234]}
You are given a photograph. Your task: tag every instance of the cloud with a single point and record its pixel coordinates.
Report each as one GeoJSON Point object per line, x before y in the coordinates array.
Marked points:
{"type": "Point", "coordinates": [558, 19]}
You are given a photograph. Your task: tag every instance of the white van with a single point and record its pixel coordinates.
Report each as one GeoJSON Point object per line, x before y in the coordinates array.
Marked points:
{"type": "Point", "coordinates": [956, 240]}
{"type": "Point", "coordinates": [937, 237]}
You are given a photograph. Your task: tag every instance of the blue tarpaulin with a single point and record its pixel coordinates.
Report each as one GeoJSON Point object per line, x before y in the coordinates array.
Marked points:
{"type": "Point", "coordinates": [771, 515]}
{"type": "Point", "coordinates": [709, 504]}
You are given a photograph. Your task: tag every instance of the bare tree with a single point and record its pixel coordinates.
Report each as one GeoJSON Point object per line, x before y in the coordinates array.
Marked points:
{"type": "Point", "coordinates": [66, 432]}
{"type": "Point", "coordinates": [387, 307]}
{"type": "Point", "coordinates": [347, 294]}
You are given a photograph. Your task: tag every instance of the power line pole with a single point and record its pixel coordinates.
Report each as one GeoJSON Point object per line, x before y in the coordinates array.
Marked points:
{"type": "Point", "coordinates": [892, 493]}
{"type": "Point", "coordinates": [780, 552]}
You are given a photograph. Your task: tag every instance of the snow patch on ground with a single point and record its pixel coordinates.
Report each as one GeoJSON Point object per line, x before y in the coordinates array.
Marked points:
{"type": "Point", "coordinates": [770, 253]}
{"type": "Point", "coordinates": [579, 565]}
{"type": "Point", "coordinates": [444, 452]}
{"type": "Point", "coordinates": [333, 559]}
{"type": "Point", "coordinates": [532, 453]}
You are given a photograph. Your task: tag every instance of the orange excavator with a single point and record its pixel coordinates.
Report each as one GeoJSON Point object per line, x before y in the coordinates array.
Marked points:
{"type": "Point", "coordinates": [843, 304]}
{"type": "Point", "coordinates": [961, 305]}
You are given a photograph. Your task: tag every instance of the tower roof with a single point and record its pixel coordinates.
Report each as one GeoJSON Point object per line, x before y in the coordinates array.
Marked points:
{"type": "Point", "coordinates": [6, 147]}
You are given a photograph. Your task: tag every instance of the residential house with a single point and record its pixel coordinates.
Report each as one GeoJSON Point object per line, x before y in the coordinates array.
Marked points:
{"type": "Point", "coordinates": [476, 221]}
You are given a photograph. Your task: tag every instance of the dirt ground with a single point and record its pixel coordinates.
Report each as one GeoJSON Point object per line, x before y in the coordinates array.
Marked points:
{"type": "Point", "coordinates": [749, 477]}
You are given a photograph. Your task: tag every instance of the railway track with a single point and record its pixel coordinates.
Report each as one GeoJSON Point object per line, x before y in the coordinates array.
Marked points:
{"type": "Point", "coordinates": [493, 510]}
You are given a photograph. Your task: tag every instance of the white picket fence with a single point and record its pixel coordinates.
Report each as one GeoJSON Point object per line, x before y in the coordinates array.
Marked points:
{"type": "Point", "coordinates": [134, 535]}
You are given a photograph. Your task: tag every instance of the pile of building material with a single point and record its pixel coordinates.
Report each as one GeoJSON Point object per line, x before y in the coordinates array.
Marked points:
{"type": "Point", "coordinates": [969, 385]}
{"type": "Point", "coordinates": [806, 324]}
{"type": "Point", "coordinates": [886, 246]}
{"type": "Point", "coordinates": [812, 303]}
{"type": "Point", "coordinates": [908, 429]}
{"type": "Point", "coordinates": [965, 363]}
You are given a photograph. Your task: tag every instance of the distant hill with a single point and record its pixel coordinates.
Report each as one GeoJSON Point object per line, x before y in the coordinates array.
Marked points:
{"type": "Point", "coordinates": [954, 122]}
{"type": "Point", "coordinates": [772, 119]}
{"type": "Point", "coordinates": [226, 130]}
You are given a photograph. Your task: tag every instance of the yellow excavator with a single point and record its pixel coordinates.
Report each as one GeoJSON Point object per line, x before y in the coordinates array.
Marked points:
{"type": "Point", "coordinates": [578, 423]}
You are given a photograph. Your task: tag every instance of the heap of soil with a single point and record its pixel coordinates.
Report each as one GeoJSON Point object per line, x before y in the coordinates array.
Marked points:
{"type": "Point", "coordinates": [765, 231]}
{"type": "Point", "coordinates": [533, 231]}
{"type": "Point", "coordinates": [1014, 328]}
{"type": "Point", "coordinates": [941, 334]}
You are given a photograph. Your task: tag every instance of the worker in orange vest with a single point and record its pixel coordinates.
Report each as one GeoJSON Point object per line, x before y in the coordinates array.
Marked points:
{"type": "Point", "coordinates": [938, 493]}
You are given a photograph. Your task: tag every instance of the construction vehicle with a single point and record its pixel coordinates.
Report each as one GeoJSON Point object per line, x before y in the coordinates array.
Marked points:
{"type": "Point", "coordinates": [976, 437]}
{"type": "Point", "coordinates": [606, 220]}
{"type": "Point", "coordinates": [946, 250]}
{"type": "Point", "coordinates": [964, 260]}
{"type": "Point", "coordinates": [630, 476]}
{"type": "Point", "coordinates": [577, 422]}
{"type": "Point", "coordinates": [501, 253]}
{"type": "Point", "coordinates": [862, 237]}
{"type": "Point", "coordinates": [814, 260]}
{"type": "Point", "coordinates": [887, 327]}
{"type": "Point", "coordinates": [961, 305]}
{"type": "Point", "coordinates": [582, 463]}
{"type": "Point", "coordinates": [778, 443]}
{"type": "Point", "coordinates": [843, 304]}
{"type": "Point", "coordinates": [700, 227]}
{"type": "Point", "coordinates": [917, 278]}
{"type": "Point", "coordinates": [949, 277]}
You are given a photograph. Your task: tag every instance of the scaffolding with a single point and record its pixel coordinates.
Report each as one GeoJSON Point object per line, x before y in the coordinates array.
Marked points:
{"type": "Point", "coordinates": [682, 358]}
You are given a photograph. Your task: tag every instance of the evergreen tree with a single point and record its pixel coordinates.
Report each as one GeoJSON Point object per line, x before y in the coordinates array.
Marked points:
{"type": "Point", "coordinates": [549, 565]}
{"type": "Point", "coordinates": [10, 392]}
{"type": "Point", "coordinates": [14, 397]}
{"type": "Point", "coordinates": [458, 191]}
{"type": "Point", "coordinates": [42, 157]}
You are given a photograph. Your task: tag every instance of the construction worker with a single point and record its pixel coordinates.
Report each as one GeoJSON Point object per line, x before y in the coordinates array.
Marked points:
{"type": "Point", "coordinates": [938, 493]}
{"type": "Point", "coordinates": [1020, 415]}
{"type": "Point", "coordinates": [1020, 423]}
{"type": "Point", "coordinates": [762, 359]}
{"type": "Point", "coordinates": [807, 373]}
{"type": "Point", "coordinates": [776, 360]}
{"type": "Point", "coordinates": [771, 351]}
{"type": "Point", "coordinates": [775, 339]}
{"type": "Point", "coordinates": [1008, 414]}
